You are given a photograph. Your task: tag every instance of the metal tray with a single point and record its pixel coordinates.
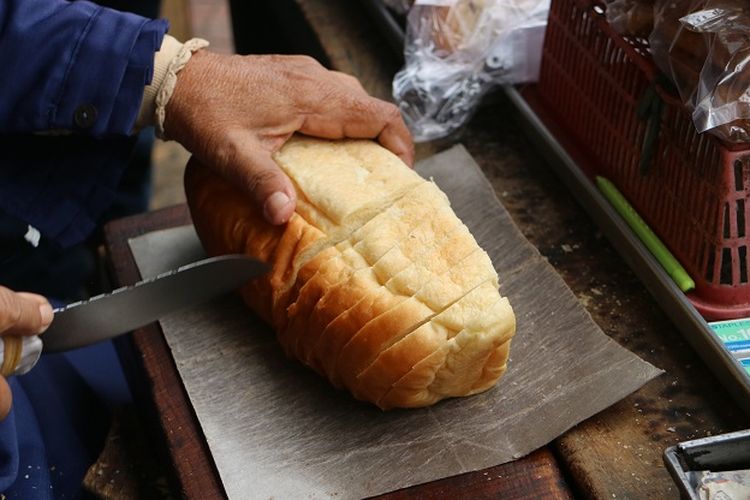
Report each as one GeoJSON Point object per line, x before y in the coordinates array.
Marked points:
{"type": "Point", "coordinates": [671, 299]}
{"type": "Point", "coordinates": [718, 453]}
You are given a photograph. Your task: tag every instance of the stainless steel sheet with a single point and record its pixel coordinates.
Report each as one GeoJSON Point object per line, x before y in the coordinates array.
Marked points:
{"type": "Point", "coordinates": [276, 429]}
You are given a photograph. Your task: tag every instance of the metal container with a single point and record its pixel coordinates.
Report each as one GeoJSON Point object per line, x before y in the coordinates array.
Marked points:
{"type": "Point", "coordinates": [724, 452]}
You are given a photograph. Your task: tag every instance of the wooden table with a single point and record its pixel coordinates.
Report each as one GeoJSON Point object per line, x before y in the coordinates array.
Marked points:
{"type": "Point", "coordinates": [615, 454]}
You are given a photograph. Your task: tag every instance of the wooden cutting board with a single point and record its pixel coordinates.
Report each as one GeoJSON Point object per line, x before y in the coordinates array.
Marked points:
{"type": "Point", "coordinates": [276, 429]}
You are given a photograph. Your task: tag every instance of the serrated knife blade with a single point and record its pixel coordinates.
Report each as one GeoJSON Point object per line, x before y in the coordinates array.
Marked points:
{"type": "Point", "coordinates": [108, 315]}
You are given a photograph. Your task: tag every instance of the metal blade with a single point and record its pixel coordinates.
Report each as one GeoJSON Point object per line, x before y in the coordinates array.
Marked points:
{"type": "Point", "coordinates": [125, 309]}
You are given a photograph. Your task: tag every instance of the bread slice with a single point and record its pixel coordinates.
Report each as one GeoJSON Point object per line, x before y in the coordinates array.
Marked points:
{"type": "Point", "coordinates": [350, 184]}
{"type": "Point", "coordinates": [416, 361]}
{"type": "Point", "coordinates": [337, 267]}
{"type": "Point", "coordinates": [432, 283]}
{"type": "Point", "coordinates": [465, 363]}
{"type": "Point", "coordinates": [374, 282]}
{"type": "Point", "coordinates": [380, 333]}
{"type": "Point", "coordinates": [386, 255]}
{"type": "Point", "coordinates": [390, 242]}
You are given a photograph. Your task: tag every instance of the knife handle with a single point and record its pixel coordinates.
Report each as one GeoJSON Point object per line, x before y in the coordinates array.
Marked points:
{"type": "Point", "coordinates": [19, 354]}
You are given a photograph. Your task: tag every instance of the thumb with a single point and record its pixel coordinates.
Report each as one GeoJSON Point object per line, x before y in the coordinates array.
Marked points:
{"type": "Point", "coordinates": [23, 313]}
{"type": "Point", "coordinates": [256, 173]}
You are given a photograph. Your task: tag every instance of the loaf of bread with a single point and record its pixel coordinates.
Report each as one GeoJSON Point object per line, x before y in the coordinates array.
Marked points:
{"type": "Point", "coordinates": [375, 283]}
{"type": "Point", "coordinates": [454, 24]}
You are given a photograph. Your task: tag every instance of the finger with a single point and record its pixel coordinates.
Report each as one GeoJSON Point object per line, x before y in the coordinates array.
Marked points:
{"type": "Point", "coordinates": [6, 398]}
{"type": "Point", "coordinates": [350, 115]}
{"type": "Point", "coordinates": [254, 171]}
{"type": "Point", "coordinates": [45, 308]}
{"type": "Point", "coordinates": [23, 313]}
{"type": "Point", "coordinates": [396, 137]}
{"type": "Point", "coordinates": [39, 299]}
{"type": "Point", "coordinates": [349, 81]}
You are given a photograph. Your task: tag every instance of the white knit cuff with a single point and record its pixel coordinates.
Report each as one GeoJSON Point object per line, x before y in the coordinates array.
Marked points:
{"type": "Point", "coordinates": [171, 58]}
{"type": "Point", "coordinates": [170, 81]}
{"type": "Point", "coordinates": [168, 50]}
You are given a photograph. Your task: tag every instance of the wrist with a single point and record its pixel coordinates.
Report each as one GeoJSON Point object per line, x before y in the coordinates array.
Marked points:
{"type": "Point", "coordinates": [169, 61]}
{"type": "Point", "coordinates": [190, 91]}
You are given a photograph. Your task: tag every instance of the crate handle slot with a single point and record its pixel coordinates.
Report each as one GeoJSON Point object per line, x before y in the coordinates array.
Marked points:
{"type": "Point", "coordinates": [650, 109]}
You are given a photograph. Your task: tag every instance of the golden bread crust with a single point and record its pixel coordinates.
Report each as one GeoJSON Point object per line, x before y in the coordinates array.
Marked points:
{"type": "Point", "coordinates": [374, 282]}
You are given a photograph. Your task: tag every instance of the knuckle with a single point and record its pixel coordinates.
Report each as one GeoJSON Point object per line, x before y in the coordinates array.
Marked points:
{"type": "Point", "coordinates": [383, 112]}
{"type": "Point", "coordinates": [366, 106]}
{"type": "Point", "coordinates": [296, 63]}
{"type": "Point", "coordinates": [352, 80]}
{"type": "Point", "coordinates": [391, 112]}
{"type": "Point", "coordinates": [257, 180]}
{"type": "Point", "coordinates": [304, 60]}
{"type": "Point", "coordinates": [226, 152]}
{"type": "Point", "coordinates": [272, 58]}
{"type": "Point", "coordinates": [330, 96]}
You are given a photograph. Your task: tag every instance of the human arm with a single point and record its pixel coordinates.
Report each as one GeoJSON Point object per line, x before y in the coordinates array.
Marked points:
{"type": "Point", "coordinates": [59, 59]}
{"type": "Point", "coordinates": [234, 112]}
{"type": "Point", "coordinates": [73, 66]}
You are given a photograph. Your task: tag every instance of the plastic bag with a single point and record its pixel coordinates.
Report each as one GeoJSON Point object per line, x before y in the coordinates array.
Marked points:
{"type": "Point", "coordinates": [704, 47]}
{"type": "Point", "coordinates": [631, 17]}
{"type": "Point", "coordinates": [456, 50]}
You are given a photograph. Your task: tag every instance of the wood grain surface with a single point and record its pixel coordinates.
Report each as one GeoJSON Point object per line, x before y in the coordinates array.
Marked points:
{"type": "Point", "coordinates": [616, 454]}
{"type": "Point", "coordinates": [536, 476]}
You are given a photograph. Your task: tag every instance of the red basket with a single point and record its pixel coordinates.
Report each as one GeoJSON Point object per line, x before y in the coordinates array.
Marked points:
{"type": "Point", "coordinates": [691, 189]}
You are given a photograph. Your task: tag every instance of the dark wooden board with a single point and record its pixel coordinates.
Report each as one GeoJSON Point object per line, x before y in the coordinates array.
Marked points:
{"type": "Point", "coordinates": [536, 476]}
{"type": "Point", "coordinates": [151, 371]}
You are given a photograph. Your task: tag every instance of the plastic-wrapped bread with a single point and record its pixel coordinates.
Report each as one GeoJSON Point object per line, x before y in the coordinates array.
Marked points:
{"type": "Point", "coordinates": [375, 283]}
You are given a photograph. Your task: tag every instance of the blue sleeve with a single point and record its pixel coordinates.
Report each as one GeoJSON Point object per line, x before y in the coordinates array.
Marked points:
{"type": "Point", "coordinates": [73, 66]}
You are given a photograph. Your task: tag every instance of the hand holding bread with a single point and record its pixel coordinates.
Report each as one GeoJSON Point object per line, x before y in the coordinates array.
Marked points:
{"type": "Point", "coordinates": [375, 283]}
{"type": "Point", "coordinates": [234, 112]}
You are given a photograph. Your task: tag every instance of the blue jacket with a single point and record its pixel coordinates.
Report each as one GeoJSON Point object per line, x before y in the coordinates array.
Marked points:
{"type": "Point", "coordinates": [74, 67]}
{"type": "Point", "coordinates": [81, 68]}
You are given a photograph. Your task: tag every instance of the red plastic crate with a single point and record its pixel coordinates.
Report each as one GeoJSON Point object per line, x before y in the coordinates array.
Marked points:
{"type": "Point", "coordinates": [694, 191]}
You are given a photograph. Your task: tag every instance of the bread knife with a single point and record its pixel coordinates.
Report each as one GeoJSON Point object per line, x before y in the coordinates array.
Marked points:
{"type": "Point", "coordinates": [108, 315]}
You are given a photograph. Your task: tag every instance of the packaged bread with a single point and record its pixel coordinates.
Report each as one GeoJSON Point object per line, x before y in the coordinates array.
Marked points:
{"type": "Point", "coordinates": [454, 25]}
{"type": "Point", "coordinates": [634, 18]}
{"type": "Point", "coordinates": [703, 46]}
{"type": "Point", "coordinates": [375, 283]}
{"type": "Point", "coordinates": [456, 51]}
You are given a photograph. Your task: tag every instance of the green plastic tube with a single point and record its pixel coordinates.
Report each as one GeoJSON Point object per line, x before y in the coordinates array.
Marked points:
{"type": "Point", "coordinates": [647, 236]}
